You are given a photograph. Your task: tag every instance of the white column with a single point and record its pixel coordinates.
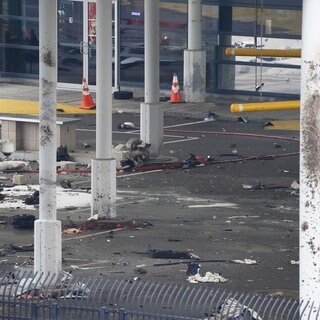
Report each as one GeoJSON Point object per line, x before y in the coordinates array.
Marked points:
{"type": "Point", "coordinates": [103, 175]}
{"type": "Point", "coordinates": [310, 160]}
{"type": "Point", "coordinates": [194, 24]}
{"type": "Point", "coordinates": [151, 111]}
{"type": "Point", "coordinates": [47, 239]}
{"type": "Point", "coordinates": [194, 70]}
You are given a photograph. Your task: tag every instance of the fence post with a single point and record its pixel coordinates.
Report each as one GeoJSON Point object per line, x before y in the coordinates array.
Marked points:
{"type": "Point", "coordinates": [122, 314]}
{"type": "Point", "coordinates": [103, 313]}
{"type": "Point", "coordinates": [54, 311]}
{"type": "Point", "coordinates": [34, 311]}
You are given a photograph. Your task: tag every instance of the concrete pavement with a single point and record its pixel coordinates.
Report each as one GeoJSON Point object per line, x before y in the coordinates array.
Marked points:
{"type": "Point", "coordinates": [206, 210]}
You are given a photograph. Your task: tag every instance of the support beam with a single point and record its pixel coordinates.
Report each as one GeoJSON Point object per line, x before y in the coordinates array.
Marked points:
{"type": "Point", "coordinates": [310, 161]}
{"type": "Point", "coordinates": [103, 176]}
{"type": "Point", "coordinates": [194, 68]}
{"type": "Point", "coordinates": [254, 52]}
{"type": "Point", "coordinates": [151, 111]}
{"type": "Point", "coordinates": [47, 234]}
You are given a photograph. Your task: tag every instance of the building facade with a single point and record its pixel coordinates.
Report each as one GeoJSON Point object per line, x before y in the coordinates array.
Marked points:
{"type": "Point", "coordinates": [274, 24]}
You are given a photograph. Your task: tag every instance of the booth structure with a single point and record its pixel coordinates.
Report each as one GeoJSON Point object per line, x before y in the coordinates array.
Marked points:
{"type": "Point", "coordinates": [23, 131]}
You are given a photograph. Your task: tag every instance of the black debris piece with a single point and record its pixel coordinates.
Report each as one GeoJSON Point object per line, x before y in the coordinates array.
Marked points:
{"type": "Point", "coordinates": [11, 248]}
{"type": "Point", "coordinates": [86, 145]}
{"type": "Point", "coordinates": [193, 268]}
{"type": "Point", "coordinates": [191, 161]}
{"type": "Point", "coordinates": [242, 120]}
{"type": "Point", "coordinates": [62, 153]}
{"type": "Point", "coordinates": [66, 184]}
{"type": "Point", "coordinates": [33, 198]}
{"type": "Point", "coordinates": [169, 254]}
{"type": "Point", "coordinates": [209, 159]}
{"type": "Point", "coordinates": [210, 117]}
{"type": "Point", "coordinates": [127, 164]}
{"type": "Point", "coordinates": [140, 270]}
{"type": "Point", "coordinates": [2, 196]}
{"type": "Point", "coordinates": [268, 124]}
{"type": "Point", "coordinates": [23, 221]}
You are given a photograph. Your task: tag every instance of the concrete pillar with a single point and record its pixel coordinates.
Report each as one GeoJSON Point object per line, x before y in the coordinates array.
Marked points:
{"type": "Point", "coordinates": [103, 174]}
{"type": "Point", "coordinates": [103, 177]}
{"type": "Point", "coordinates": [194, 68]}
{"type": "Point", "coordinates": [226, 72]}
{"type": "Point", "coordinates": [151, 115]}
{"type": "Point", "coordinates": [151, 109]}
{"type": "Point", "coordinates": [47, 234]}
{"type": "Point", "coordinates": [310, 161]}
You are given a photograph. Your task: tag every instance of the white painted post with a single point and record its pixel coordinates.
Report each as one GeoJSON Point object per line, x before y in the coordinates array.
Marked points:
{"type": "Point", "coordinates": [151, 113]}
{"type": "Point", "coordinates": [310, 161]}
{"type": "Point", "coordinates": [103, 175]}
{"type": "Point", "coordinates": [194, 67]}
{"type": "Point", "coordinates": [47, 239]}
{"type": "Point", "coordinates": [194, 24]}
{"type": "Point", "coordinates": [151, 51]}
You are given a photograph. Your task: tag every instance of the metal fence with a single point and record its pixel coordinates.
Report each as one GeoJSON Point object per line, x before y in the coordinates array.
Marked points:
{"type": "Point", "coordinates": [28, 296]}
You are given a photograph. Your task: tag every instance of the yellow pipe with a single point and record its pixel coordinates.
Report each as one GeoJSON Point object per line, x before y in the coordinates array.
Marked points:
{"type": "Point", "coordinates": [265, 106]}
{"type": "Point", "coordinates": [252, 52]}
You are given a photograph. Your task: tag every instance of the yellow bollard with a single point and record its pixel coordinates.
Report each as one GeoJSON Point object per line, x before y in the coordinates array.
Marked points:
{"type": "Point", "coordinates": [256, 52]}
{"type": "Point", "coordinates": [265, 106]}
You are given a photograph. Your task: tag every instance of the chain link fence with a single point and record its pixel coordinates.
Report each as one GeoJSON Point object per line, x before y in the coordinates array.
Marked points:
{"type": "Point", "coordinates": [24, 295]}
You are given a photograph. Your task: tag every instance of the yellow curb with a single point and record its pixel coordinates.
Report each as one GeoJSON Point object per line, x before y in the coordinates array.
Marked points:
{"type": "Point", "coordinates": [12, 106]}
{"type": "Point", "coordinates": [291, 125]}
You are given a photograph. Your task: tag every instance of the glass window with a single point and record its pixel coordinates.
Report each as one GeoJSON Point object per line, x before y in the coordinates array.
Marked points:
{"type": "Point", "coordinates": [262, 21]}
{"type": "Point", "coordinates": [262, 79]}
{"type": "Point", "coordinates": [19, 37]}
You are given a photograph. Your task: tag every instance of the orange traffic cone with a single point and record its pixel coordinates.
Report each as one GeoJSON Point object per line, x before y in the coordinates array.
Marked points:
{"type": "Point", "coordinates": [175, 90]}
{"type": "Point", "coordinates": [87, 101]}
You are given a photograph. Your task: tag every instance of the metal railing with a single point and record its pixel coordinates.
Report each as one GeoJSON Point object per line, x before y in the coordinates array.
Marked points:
{"type": "Point", "coordinates": [28, 296]}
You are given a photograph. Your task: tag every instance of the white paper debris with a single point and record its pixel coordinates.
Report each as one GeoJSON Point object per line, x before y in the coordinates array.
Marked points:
{"type": "Point", "coordinates": [208, 277]}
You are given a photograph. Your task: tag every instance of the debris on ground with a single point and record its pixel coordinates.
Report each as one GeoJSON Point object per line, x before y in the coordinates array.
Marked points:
{"type": "Point", "coordinates": [85, 145]}
{"type": "Point", "coordinates": [66, 184]}
{"type": "Point", "coordinates": [169, 254]}
{"type": "Point", "coordinates": [210, 117]}
{"type": "Point", "coordinates": [10, 165]}
{"type": "Point", "coordinates": [233, 309]}
{"type": "Point", "coordinates": [135, 151]}
{"type": "Point", "coordinates": [127, 164]}
{"type": "Point", "coordinates": [32, 198]}
{"type": "Point", "coordinates": [245, 261]}
{"type": "Point", "coordinates": [261, 186]}
{"type": "Point", "coordinates": [23, 221]}
{"type": "Point", "coordinates": [62, 153]}
{"type": "Point", "coordinates": [242, 120]}
{"type": "Point", "coordinates": [208, 277]}
{"type": "Point", "coordinates": [193, 268]}
{"type": "Point", "coordinates": [295, 185]}
{"type": "Point", "coordinates": [66, 165]}
{"type": "Point", "coordinates": [127, 125]}
{"type": "Point", "coordinates": [104, 225]}
{"type": "Point", "coordinates": [72, 231]}
{"type": "Point", "coordinates": [193, 161]}
{"type": "Point", "coordinates": [10, 249]}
